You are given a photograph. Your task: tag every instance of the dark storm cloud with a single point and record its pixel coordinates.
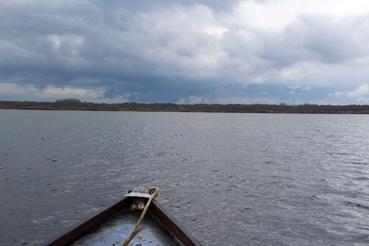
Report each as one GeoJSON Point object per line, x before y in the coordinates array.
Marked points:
{"type": "Point", "coordinates": [168, 50]}
{"type": "Point", "coordinates": [59, 42]}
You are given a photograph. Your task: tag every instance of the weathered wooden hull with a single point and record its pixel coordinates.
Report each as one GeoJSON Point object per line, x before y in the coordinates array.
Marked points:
{"type": "Point", "coordinates": [112, 226]}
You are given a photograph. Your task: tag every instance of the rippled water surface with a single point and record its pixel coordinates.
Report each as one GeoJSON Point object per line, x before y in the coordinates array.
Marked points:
{"type": "Point", "coordinates": [230, 179]}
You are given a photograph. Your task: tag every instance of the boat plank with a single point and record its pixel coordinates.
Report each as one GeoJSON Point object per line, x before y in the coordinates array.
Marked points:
{"type": "Point", "coordinates": [167, 224]}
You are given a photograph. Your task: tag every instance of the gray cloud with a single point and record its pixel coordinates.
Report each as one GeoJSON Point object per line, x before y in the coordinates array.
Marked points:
{"type": "Point", "coordinates": [168, 50]}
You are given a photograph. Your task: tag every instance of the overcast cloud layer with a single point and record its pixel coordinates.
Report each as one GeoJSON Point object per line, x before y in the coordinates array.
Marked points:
{"type": "Point", "coordinates": [294, 51]}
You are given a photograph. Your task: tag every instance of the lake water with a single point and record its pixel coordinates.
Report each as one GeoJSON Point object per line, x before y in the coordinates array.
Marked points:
{"type": "Point", "coordinates": [230, 179]}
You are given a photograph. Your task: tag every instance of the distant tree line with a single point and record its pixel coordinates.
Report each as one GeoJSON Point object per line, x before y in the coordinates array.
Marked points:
{"type": "Point", "coordinates": [75, 104]}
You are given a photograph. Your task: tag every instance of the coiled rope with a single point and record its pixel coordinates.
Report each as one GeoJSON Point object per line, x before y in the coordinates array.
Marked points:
{"type": "Point", "coordinates": [154, 191]}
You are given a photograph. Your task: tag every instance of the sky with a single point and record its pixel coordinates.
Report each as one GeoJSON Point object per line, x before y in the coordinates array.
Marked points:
{"type": "Point", "coordinates": [194, 51]}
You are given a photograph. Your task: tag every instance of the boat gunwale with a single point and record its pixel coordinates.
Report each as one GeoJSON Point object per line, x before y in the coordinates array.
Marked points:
{"type": "Point", "coordinates": [167, 222]}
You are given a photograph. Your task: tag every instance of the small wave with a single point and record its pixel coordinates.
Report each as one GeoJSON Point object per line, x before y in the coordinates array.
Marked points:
{"type": "Point", "coordinates": [362, 178]}
{"type": "Point", "coordinates": [357, 205]}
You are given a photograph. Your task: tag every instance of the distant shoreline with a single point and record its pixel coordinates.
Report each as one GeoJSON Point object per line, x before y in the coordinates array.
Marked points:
{"type": "Point", "coordinates": [73, 104]}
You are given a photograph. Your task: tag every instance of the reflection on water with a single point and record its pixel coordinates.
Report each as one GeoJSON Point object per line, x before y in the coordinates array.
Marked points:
{"type": "Point", "coordinates": [252, 179]}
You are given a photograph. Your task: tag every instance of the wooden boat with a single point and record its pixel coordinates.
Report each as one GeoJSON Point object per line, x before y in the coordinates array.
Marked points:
{"type": "Point", "coordinates": [112, 226]}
